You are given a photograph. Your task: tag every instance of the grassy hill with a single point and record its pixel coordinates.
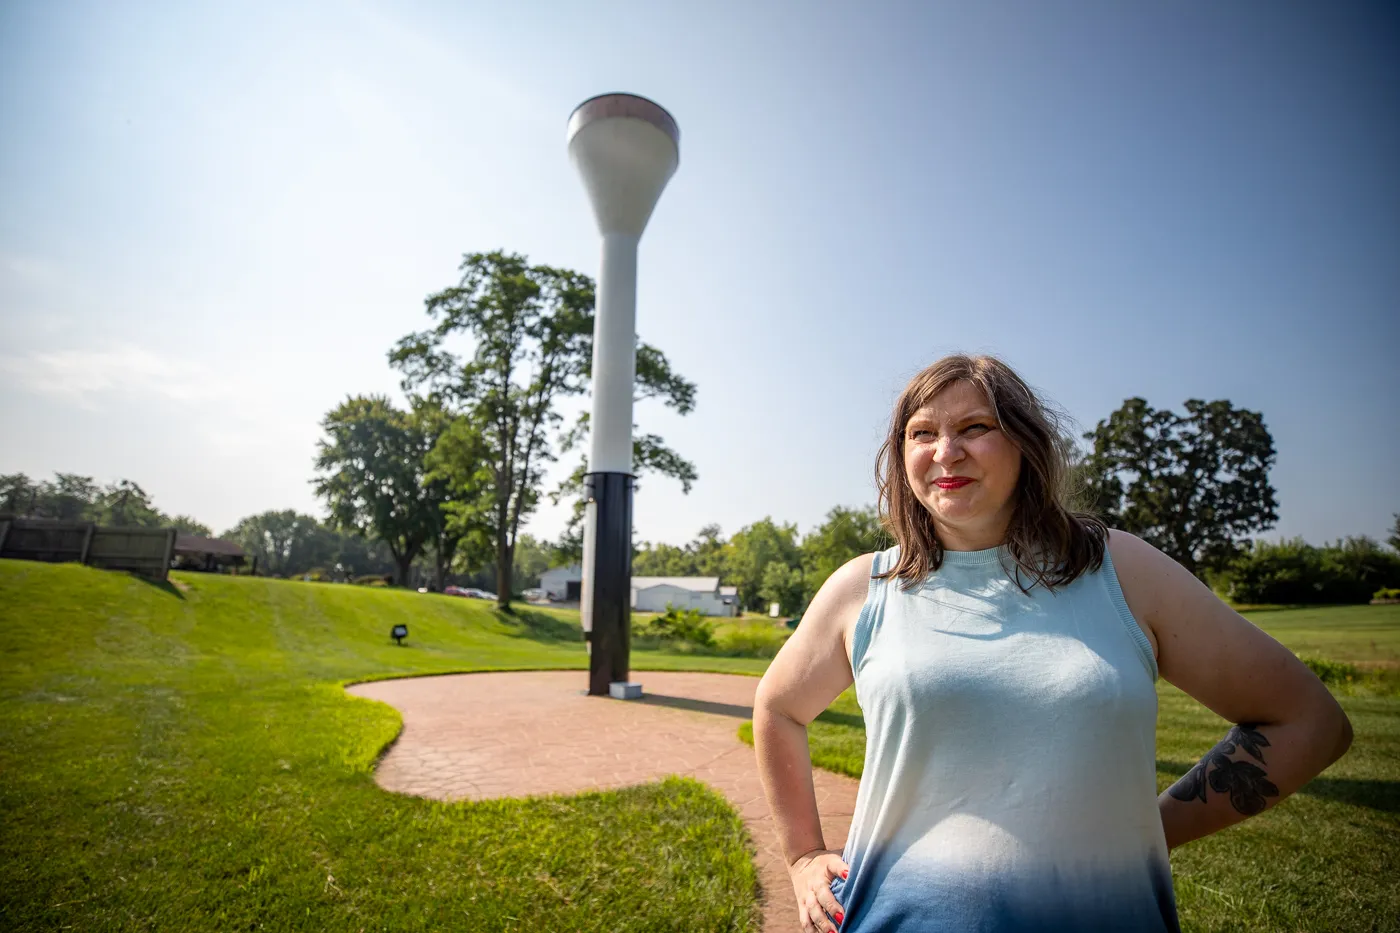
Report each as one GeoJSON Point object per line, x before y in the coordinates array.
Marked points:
{"type": "Point", "coordinates": [182, 757]}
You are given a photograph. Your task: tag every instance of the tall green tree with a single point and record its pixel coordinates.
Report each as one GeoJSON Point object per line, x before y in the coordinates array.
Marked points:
{"type": "Point", "coordinates": [752, 549]}
{"type": "Point", "coordinates": [17, 494]}
{"type": "Point", "coordinates": [187, 525]}
{"type": "Point", "coordinates": [531, 330]}
{"type": "Point", "coordinates": [782, 585]}
{"type": "Point", "coordinates": [1394, 539]}
{"type": "Point", "coordinates": [664, 560]}
{"type": "Point", "coordinates": [454, 500]}
{"type": "Point", "coordinates": [846, 533]}
{"type": "Point", "coordinates": [702, 557]}
{"type": "Point", "coordinates": [69, 497]}
{"type": "Point", "coordinates": [1194, 485]}
{"type": "Point", "coordinates": [532, 558]}
{"type": "Point", "coordinates": [373, 477]}
{"type": "Point", "coordinates": [126, 504]}
{"type": "Point", "coordinates": [285, 543]}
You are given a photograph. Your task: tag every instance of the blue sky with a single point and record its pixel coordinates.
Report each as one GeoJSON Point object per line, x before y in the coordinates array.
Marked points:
{"type": "Point", "coordinates": [216, 219]}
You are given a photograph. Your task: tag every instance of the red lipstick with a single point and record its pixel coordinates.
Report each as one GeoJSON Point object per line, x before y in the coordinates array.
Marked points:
{"type": "Point", "coordinates": [952, 482]}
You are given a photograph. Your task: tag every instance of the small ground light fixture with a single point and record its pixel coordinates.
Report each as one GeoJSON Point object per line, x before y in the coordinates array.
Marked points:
{"type": "Point", "coordinates": [399, 633]}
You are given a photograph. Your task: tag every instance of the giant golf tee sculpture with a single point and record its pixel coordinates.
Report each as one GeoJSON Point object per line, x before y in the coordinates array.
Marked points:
{"type": "Point", "coordinates": [626, 148]}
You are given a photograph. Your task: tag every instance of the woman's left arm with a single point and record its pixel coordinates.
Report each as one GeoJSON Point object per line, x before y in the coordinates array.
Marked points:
{"type": "Point", "coordinates": [1288, 727]}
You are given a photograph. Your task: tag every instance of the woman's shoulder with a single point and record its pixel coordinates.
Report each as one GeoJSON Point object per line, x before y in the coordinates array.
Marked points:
{"type": "Point", "coordinates": [1139, 566]}
{"type": "Point", "coordinates": [851, 581]}
{"type": "Point", "coordinates": [1151, 581]}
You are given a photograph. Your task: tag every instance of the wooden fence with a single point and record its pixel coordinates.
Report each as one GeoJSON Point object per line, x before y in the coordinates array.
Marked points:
{"type": "Point", "coordinates": [144, 551]}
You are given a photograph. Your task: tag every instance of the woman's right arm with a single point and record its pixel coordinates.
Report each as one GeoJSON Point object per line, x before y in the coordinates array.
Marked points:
{"type": "Point", "coordinates": [809, 672]}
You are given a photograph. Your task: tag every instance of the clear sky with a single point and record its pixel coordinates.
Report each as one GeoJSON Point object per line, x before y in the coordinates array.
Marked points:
{"type": "Point", "coordinates": [216, 219]}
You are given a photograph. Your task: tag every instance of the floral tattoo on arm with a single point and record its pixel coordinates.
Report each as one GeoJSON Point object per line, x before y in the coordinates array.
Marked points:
{"type": "Point", "coordinates": [1243, 781]}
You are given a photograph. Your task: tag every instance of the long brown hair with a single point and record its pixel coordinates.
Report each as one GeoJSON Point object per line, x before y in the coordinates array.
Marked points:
{"type": "Point", "coordinates": [1050, 542]}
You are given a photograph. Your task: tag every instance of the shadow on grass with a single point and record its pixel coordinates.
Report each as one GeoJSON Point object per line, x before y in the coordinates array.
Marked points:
{"type": "Point", "coordinates": [1374, 795]}
{"type": "Point", "coordinates": [537, 626]}
{"type": "Point", "coordinates": [698, 706]}
{"type": "Point", "coordinates": [165, 586]}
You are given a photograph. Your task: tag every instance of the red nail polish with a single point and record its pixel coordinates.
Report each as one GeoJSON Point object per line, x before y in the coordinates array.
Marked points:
{"type": "Point", "coordinates": [840, 916]}
{"type": "Point", "coordinates": [845, 872]}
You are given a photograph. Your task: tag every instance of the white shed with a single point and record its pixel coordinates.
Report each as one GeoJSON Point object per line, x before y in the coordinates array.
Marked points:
{"type": "Point", "coordinates": [652, 594]}
{"type": "Point", "coordinates": [563, 584]}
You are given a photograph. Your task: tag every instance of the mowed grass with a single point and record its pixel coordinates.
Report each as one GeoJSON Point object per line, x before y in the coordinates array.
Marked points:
{"type": "Point", "coordinates": [184, 758]}
{"type": "Point", "coordinates": [1326, 859]}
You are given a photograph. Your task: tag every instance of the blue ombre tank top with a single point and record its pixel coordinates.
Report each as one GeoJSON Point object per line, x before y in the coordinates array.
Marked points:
{"type": "Point", "coordinates": [1010, 760]}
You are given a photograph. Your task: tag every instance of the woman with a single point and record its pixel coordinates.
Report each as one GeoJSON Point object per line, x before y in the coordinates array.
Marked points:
{"type": "Point", "coordinates": [1004, 653]}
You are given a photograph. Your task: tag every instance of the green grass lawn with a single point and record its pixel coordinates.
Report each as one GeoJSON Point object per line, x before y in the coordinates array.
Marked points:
{"type": "Point", "coordinates": [1328, 858]}
{"type": "Point", "coordinates": [184, 758]}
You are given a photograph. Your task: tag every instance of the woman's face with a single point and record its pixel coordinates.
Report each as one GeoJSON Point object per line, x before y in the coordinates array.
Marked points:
{"type": "Point", "coordinates": [962, 467]}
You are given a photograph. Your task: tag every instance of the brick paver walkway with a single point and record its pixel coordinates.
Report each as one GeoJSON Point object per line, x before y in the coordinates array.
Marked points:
{"type": "Point", "coordinates": [476, 736]}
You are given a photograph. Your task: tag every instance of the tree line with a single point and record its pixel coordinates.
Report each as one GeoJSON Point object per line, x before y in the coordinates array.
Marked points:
{"type": "Point", "coordinates": [284, 543]}
{"type": "Point", "coordinates": [449, 480]}
{"type": "Point", "coordinates": [72, 498]}
{"type": "Point", "coordinates": [1194, 484]}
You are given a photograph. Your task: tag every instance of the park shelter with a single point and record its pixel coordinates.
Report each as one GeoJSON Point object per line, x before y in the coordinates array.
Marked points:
{"type": "Point", "coordinates": [194, 552]}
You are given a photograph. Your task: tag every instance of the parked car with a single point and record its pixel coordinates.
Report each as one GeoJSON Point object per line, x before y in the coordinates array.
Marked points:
{"type": "Point", "coordinates": [535, 594]}
{"type": "Point", "coordinates": [470, 592]}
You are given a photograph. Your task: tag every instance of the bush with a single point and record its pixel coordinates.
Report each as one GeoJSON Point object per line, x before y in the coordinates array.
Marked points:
{"type": "Point", "coordinates": [375, 579]}
{"type": "Point", "coordinates": [750, 640]}
{"type": "Point", "coordinates": [1387, 592]}
{"type": "Point", "coordinates": [676, 625]}
{"type": "Point", "coordinates": [1332, 673]}
{"type": "Point", "coordinates": [1293, 572]}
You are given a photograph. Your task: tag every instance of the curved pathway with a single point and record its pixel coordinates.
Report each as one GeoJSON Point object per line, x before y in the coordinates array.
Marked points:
{"type": "Point", "coordinates": [477, 736]}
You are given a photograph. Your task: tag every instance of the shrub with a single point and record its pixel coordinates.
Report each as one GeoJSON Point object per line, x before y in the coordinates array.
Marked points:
{"type": "Point", "coordinates": [375, 579]}
{"type": "Point", "coordinates": [1332, 672]}
{"type": "Point", "coordinates": [676, 625]}
{"type": "Point", "coordinates": [1387, 592]}
{"type": "Point", "coordinates": [750, 640]}
{"type": "Point", "coordinates": [1296, 572]}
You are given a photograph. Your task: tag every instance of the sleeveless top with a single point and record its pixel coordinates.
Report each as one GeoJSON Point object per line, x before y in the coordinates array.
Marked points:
{"type": "Point", "coordinates": [1010, 778]}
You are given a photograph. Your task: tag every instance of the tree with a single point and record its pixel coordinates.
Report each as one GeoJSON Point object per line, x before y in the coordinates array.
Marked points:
{"type": "Point", "coordinates": [354, 555]}
{"type": "Point", "coordinates": [284, 543]}
{"type": "Point", "coordinates": [846, 533]}
{"type": "Point", "coordinates": [374, 477]}
{"type": "Point", "coordinates": [125, 504]}
{"type": "Point", "coordinates": [453, 499]}
{"type": "Point", "coordinates": [782, 585]}
{"type": "Point", "coordinates": [532, 558]}
{"type": "Point", "coordinates": [532, 327]}
{"type": "Point", "coordinates": [17, 494]}
{"type": "Point", "coordinates": [1394, 540]}
{"type": "Point", "coordinates": [703, 557]}
{"type": "Point", "coordinates": [186, 525]}
{"type": "Point", "coordinates": [68, 498]}
{"type": "Point", "coordinates": [752, 549]}
{"type": "Point", "coordinates": [1194, 486]}
{"type": "Point", "coordinates": [664, 560]}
